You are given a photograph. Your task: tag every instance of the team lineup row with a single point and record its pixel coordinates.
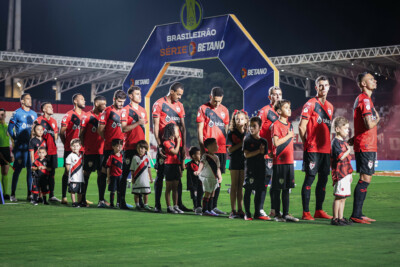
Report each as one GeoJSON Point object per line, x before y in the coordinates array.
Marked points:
{"type": "Point", "coordinates": [260, 148]}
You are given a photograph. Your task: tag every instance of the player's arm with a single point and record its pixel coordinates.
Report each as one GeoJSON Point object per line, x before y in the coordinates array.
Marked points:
{"type": "Point", "coordinates": [279, 141]}
{"type": "Point", "coordinates": [233, 148]}
{"type": "Point", "coordinates": [303, 129]}
{"type": "Point", "coordinates": [82, 133]}
{"type": "Point", "coordinates": [369, 123]}
{"type": "Point", "coordinates": [67, 167]}
{"type": "Point", "coordinates": [31, 153]}
{"type": "Point", "coordinates": [62, 133]}
{"type": "Point", "coordinates": [10, 128]}
{"type": "Point", "coordinates": [345, 154]}
{"type": "Point", "coordinates": [250, 154]}
{"type": "Point", "coordinates": [219, 174]}
{"type": "Point", "coordinates": [156, 127]}
{"type": "Point", "coordinates": [126, 128]}
{"type": "Point", "coordinates": [151, 179]}
{"type": "Point", "coordinates": [101, 129]}
{"type": "Point", "coordinates": [201, 165]}
{"type": "Point", "coordinates": [183, 131]}
{"type": "Point", "coordinates": [200, 127]}
{"type": "Point", "coordinates": [175, 150]}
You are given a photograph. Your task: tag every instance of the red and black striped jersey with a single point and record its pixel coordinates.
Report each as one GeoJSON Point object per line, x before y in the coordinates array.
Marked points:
{"type": "Point", "coordinates": [268, 116]}
{"type": "Point", "coordinates": [50, 129]}
{"type": "Point", "coordinates": [283, 154]}
{"type": "Point", "coordinates": [365, 140]}
{"type": "Point", "coordinates": [93, 142]}
{"type": "Point", "coordinates": [114, 162]}
{"type": "Point", "coordinates": [138, 133]}
{"type": "Point", "coordinates": [168, 113]}
{"type": "Point", "coordinates": [112, 119]}
{"type": "Point", "coordinates": [40, 163]}
{"type": "Point", "coordinates": [71, 120]}
{"type": "Point", "coordinates": [34, 145]}
{"type": "Point", "coordinates": [171, 158]}
{"type": "Point", "coordinates": [340, 168]}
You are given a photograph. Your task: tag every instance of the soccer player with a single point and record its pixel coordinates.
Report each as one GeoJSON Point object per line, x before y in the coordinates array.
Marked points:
{"type": "Point", "coordinates": [114, 169]}
{"type": "Point", "coordinates": [366, 120]}
{"type": "Point", "coordinates": [6, 156]}
{"type": "Point", "coordinates": [70, 126]}
{"type": "Point", "coordinates": [40, 174]}
{"type": "Point", "coordinates": [134, 130]}
{"type": "Point", "coordinates": [110, 128]}
{"type": "Point", "coordinates": [212, 121]}
{"type": "Point", "coordinates": [19, 129]}
{"type": "Point", "coordinates": [314, 130]}
{"type": "Point", "coordinates": [73, 166]}
{"type": "Point", "coordinates": [50, 135]}
{"type": "Point", "coordinates": [341, 170]}
{"type": "Point", "coordinates": [254, 148]}
{"type": "Point", "coordinates": [268, 116]}
{"type": "Point", "coordinates": [283, 169]}
{"type": "Point", "coordinates": [93, 143]}
{"type": "Point", "coordinates": [168, 109]}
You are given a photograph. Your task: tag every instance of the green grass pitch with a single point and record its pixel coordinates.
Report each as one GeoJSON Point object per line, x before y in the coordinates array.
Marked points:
{"type": "Point", "coordinates": [61, 235]}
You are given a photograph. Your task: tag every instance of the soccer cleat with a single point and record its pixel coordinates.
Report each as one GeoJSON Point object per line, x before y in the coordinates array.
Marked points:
{"type": "Point", "coordinates": [207, 213]}
{"type": "Point", "coordinates": [218, 211]}
{"type": "Point", "coordinates": [334, 222]}
{"type": "Point", "coordinates": [157, 210]}
{"type": "Point", "coordinates": [290, 218]}
{"type": "Point", "coordinates": [76, 205]}
{"type": "Point", "coordinates": [6, 197]}
{"type": "Point", "coordinates": [89, 202]}
{"type": "Point", "coordinates": [247, 218]}
{"type": "Point", "coordinates": [359, 220]}
{"type": "Point", "coordinates": [213, 213]}
{"type": "Point", "coordinates": [322, 215]}
{"type": "Point", "coordinates": [279, 218]}
{"type": "Point", "coordinates": [263, 213]}
{"type": "Point", "coordinates": [101, 204]}
{"type": "Point", "coordinates": [138, 208]}
{"type": "Point", "coordinates": [171, 210]}
{"type": "Point", "coordinates": [178, 210]}
{"type": "Point", "coordinates": [123, 207]}
{"type": "Point", "coordinates": [346, 222]}
{"type": "Point", "coordinates": [13, 199]}
{"type": "Point", "coordinates": [147, 207]}
{"type": "Point", "coordinates": [64, 201]}
{"type": "Point", "coordinates": [241, 214]}
{"type": "Point", "coordinates": [198, 211]}
{"type": "Point", "coordinates": [307, 216]}
{"type": "Point", "coordinates": [183, 208]}
{"type": "Point", "coordinates": [34, 203]}
{"type": "Point", "coordinates": [129, 205]}
{"type": "Point", "coordinates": [262, 218]}
{"type": "Point", "coordinates": [365, 218]}
{"type": "Point", "coordinates": [233, 215]}
{"type": "Point", "coordinates": [54, 199]}
{"type": "Point", "coordinates": [29, 198]}
{"type": "Point", "coordinates": [45, 202]}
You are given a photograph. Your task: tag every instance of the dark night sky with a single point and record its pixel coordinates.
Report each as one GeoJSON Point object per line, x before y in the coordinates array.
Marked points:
{"type": "Point", "coordinates": [117, 29]}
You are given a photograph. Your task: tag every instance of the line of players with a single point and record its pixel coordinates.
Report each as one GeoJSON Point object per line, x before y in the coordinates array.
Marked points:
{"type": "Point", "coordinates": [97, 128]}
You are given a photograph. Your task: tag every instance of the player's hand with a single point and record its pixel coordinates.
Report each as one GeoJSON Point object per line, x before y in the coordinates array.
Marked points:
{"type": "Point", "coordinates": [291, 134]}
{"type": "Point", "coordinates": [151, 180]}
{"type": "Point", "coordinates": [161, 152]}
{"type": "Point", "coordinates": [378, 118]}
{"type": "Point", "coordinates": [220, 180]}
{"type": "Point", "coordinates": [262, 149]}
{"type": "Point", "coordinates": [108, 180]}
{"type": "Point", "coordinates": [196, 173]}
{"type": "Point", "coordinates": [351, 141]}
{"type": "Point", "coordinates": [183, 166]}
{"type": "Point", "coordinates": [271, 155]}
{"type": "Point", "coordinates": [141, 121]}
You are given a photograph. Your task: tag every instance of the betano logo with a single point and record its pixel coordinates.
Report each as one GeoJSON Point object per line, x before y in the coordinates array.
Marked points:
{"type": "Point", "coordinates": [192, 48]}
{"type": "Point", "coordinates": [140, 82]}
{"type": "Point", "coordinates": [252, 72]}
{"type": "Point", "coordinates": [191, 14]}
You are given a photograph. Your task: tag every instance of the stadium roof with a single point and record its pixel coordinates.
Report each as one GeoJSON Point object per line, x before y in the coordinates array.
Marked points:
{"type": "Point", "coordinates": [295, 70]}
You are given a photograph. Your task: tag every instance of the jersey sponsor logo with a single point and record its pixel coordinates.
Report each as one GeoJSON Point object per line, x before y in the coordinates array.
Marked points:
{"type": "Point", "coordinates": [115, 124]}
{"type": "Point", "coordinates": [312, 165]}
{"type": "Point", "coordinates": [94, 129]}
{"type": "Point", "coordinates": [218, 124]}
{"type": "Point", "coordinates": [102, 117]}
{"type": "Point", "coordinates": [252, 72]}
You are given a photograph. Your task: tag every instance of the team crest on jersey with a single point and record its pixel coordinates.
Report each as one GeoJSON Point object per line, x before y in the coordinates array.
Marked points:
{"type": "Point", "coordinates": [127, 161]}
{"type": "Point", "coordinates": [368, 107]}
{"type": "Point", "coordinates": [251, 180]}
{"type": "Point", "coordinates": [269, 165]}
{"type": "Point", "coordinates": [210, 124]}
{"type": "Point", "coordinates": [123, 115]}
{"type": "Point", "coordinates": [281, 180]}
{"type": "Point", "coordinates": [223, 115]}
{"type": "Point", "coordinates": [178, 109]}
{"type": "Point", "coordinates": [143, 115]}
{"type": "Point", "coordinates": [44, 163]}
{"type": "Point", "coordinates": [305, 110]}
{"type": "Point", "coordinates": [167, 119]}
{"type": "Point", "coordinates": [312, 165]}
{"type": "Point", "coordinates": [33, 117]}
{"type": "Point", "coordinates": [161, 161]}
{"type": "Point", "coordinates": [65, 119]}
{"type": "Point", "coordinates": [154, 110]}
{"type": "Point", "coordinates": [319, 120]}
{"type": "Point", "coordinates": [370, 164]}
{"type": "Point", "coordinates": [329, 111]}
{"type": "Point", "coordinates": [102, 117]}
{"type": "Point", "coordinates": [90, 164]}
{"type": "Point", "coordinates": [54, 126]}
{"type": "Point", "coordinates": [23, 125]}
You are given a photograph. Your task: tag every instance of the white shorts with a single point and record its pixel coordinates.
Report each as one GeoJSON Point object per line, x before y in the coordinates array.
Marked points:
{"type": "Point", "coordinates": [209, 184]}
{"type": "Point", "coordinates": [343, 187]}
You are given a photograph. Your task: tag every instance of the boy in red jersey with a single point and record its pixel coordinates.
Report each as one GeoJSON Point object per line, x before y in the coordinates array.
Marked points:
{"type": "Point", "coordinates": [70, 126]}
{"type": "Point", "coordinates": [341, 170]}
{"type": "Point", "coordinates": [134, 129]}
{"type": "Point", "coordinates": [366, 120]}
{"type": "Point", "coordinates": [314, 131]}
{"type": "Point", "coordinates": [283, 170]}
{"type": "Point", "coordinates": [268, 116]}
{"type": "Point", "coordinates": [114, 170]}
{"type": "Point", "coordinates": [212, 122]}
{"type": "Point", "coordinates": [93, 143]}
{"type": "Point", "coordinates": [50, 135]}
{"type": "Point", "coordinates": [40, 174]}
{"type": "Point", "coordinates": [166, 110]}
{"type": "Point", "coordinates": [110, 128]}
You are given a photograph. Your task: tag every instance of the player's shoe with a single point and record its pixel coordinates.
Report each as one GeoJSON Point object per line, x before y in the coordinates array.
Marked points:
{"type": "Point", "coordinates": [198, 211]}
{"type": "Point", "coordinates": [207, 213]}
{"type": "Point", "coordinates": [29, 198]}
{"type": "Point", "coordinates": [359, 220]}
{"type": "Point", "coordinates": [290, 218]}
{"type": "Point", "coordinates": [247, 218]}
{"type": "Point", "coordinates": [213, 213]}
{"type": "Point", "coordinates": [13, 199]}
{"type": "Point", "coordinates": [138, 208]}
{"type": "Point", "coordinates": [54, 199]}
{"type": "Point", "coordinates": [346, 222]}
{"type": "Point", "coordinates": [233, 215]}
{"type": "Point", "coordinates": [157, 210]}
{"type": "Point", "coordinates": [76, 205]}
{"type": "Point", "coordinates": [241, 214]}
{"type": "Point", "coordinates": [129, 206]}
{"type": "Point", "coordinates": [262, 218]}
{"type": "Point", "coordinates": [178, 210]}
{"type": "Point", "coordinates": [147, 207]}
{"type": "Point", "coordinates": [64, 201]}
{"type": "Point", "coordinates": [183, 208]}
{"type": "Point", "coordinates": [6, 197]}
{"type": "Point", "coordinates": [171, 210]}
{"type": "Point", "coordinates": [101, 204]}
{"type": "Point", "coordinates": [307, 216]}
{"type": "Point", "coordinates": [322, 215]}
{"type": "Point", "coordinates": [34, 203]}
{"type": "Point", "coordinates": [218, 211]}
{"type": "Point", "coordinates": [334, 222]}
{"type": "Point", "coordinates": [263, 213]}
{"type": "Point", "coordinates": [83, 205]}
{"type": "Point", "coordinates": [45, 202]}
{"type": "Point", "coordinates": [365, 218]}
{"type": "Point", "coordinates": [279, 218]}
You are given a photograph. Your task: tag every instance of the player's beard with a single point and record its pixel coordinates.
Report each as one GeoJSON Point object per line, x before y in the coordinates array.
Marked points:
{"type": "Point", "coordinates": [81, 106]}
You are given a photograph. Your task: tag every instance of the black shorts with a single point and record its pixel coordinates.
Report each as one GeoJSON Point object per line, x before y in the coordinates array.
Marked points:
{"type": "Point", "coordinates": [365, 162]}
{"type": "Point", "coordinates": [66, 154]}
{"type": "Point", "coordinates": [75, 188]}
{"type": "Point", "coordinates": [92, 162]}
{"type": "Point", "coordinates": [254, 183]}
{"type": "Point", "coordinates": [237, 161]}
{"type": "Point", "coordinates": [283, 176]}
{"type": "Point", "coordinates": [106, 155]}
{"type": "Point", "coordinates": [314, 163]}
{"type": "Point", "coordinates": [222, 161]}
{"type": "Point", "coordinates": [52, 162]}
{"type": "Point", "coordinates": [268, 167]}
{"type": "Point", "coordinates": [5, 151]}
{"type": "Point", "coordinates": [44, 184]}
{"type": "Point", "coordinates": [126, 165]}
{"type": "Point", "coordinates": [114, 182]}
{"type": "Point", "coordinates": [35, 189]}
{"type": "Point", "coordinates": [172, 172]}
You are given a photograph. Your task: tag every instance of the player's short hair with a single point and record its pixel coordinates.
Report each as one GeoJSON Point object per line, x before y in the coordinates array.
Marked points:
{"type": "Point", "coordinates": [44, 104]}
{"type": "Point", "coordinates": [193, 150]}
{"type": "Point", "coordinates": [142, 143]}
{"type": "Point", "coordinates": [133, 88]}
{"type": "Point", "coordinates": [169, 131]}
{"type": "Point", "coordinates": [2, 109]}
{"type": "Point", "coordinates": [119, 94]}
{"type": "Point", "coordinates": [99, 98]}
{"type": "Point", "coordinates": [176, 86]}
{"type": "Point", "coordinates": [279, 104]}
{"type": "Point", "coordinates": [42, 148]}
{"type": "Point", "coordinates": [256, 119]}
{"type": "Point", "coordinates": [75, 141]}
{"type": "Point", "coordinates": [217, 91]}
{"type": "Point", "coordinates": [209, 141]}
{"type": "Point", "coordinates": [75, 96]}
{"type": "Point", "coordinates": [321, 78]}
{"type": "Point", "coordinates": [116, 142]}
{"type": "Point", "coordinates": [360, 77]}
{"type": "Point", "coordinates": [339, 122]}
{"type": "Point", "coordinates": [23, 96]}
{"type": "Point", "coordinates": [273, 88]}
